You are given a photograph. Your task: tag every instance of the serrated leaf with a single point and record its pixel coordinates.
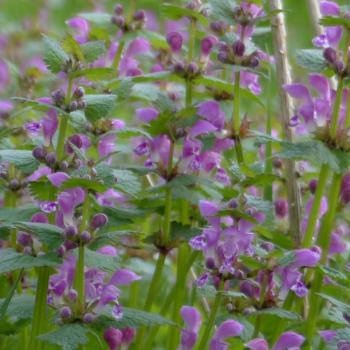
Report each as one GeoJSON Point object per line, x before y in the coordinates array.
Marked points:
{"type": "Point", "coordinates": [311, 59]}
{"type": "Point", "coordinates": [280, 313]}
{"type": "Point", "coordinates": [39, 106]}
{"type": "Point", "coordinates": [21, 159]}
{"type": "Point", "coordinates": [98, 106]}
{"type": "Point", "coordinates": [71, 46]}
{"type": "Point", "coordinates": [68, 337]}
{"type": "Point", "coordinates": [181, 232]}
{"type": "Point", "coordinates": [21, 307]}
{"type": "Point", "coordinates": [132, 318]}
{"type": "Point", "coordinates": [92, 185]}
{"type": "Point", "coordinates": [339, 304]}
{"type": "Point", "coordinates": [110, 238]}
{"type": "Point", "coordinates": [222, 10]}
{"type": "Point", "coordinates": [42, 190]}
{"type": "Point", "coordinates": [10, 215]}
{"type": "Point", "coordinates": [93, 50]}
{"type": "Point", "coordinates": [127, 182]}
{"type": "Point", "coordinates": [157, 40]}
{"type": "Point", "coordinates": [177, 12]}
{"type": "Point", "coordinates": [10, 260]}
{"type": "Point", "coordinates": [50, 235]}
{"type": "Point", "coordinates": [54, 55]}
{"type": "Point", "coordinates": [94, 73]}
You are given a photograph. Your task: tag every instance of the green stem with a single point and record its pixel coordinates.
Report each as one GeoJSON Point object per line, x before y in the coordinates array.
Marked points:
{"type": "Point", "coordinates": [118, 56]}
{"type": "Point", "coordinates": [236, 121]}
{"type": "Point", "coordinates": [323, 241]}
{"type": "Point", "coordinates": [211, 322]}
{"type": "Point", "coordinates": [192, 39]}
{"type": "Point", "coordinates": [39, 317]}
{"type": "Point", "coordinates": [313, 216]}
{"type": "Point", "coordinates": [79, 277]}
{"type": "Point", "coordinates": [336, 109]}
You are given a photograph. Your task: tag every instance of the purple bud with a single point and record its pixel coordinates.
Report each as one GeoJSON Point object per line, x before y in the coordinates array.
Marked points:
{"type": "Point", "coordinates": [118, 9]}
{"type": "Point", "coordinates": [179, 68]}
{"type": "Point", "coordinates": [174, 40]}
{"type": "Point", "coordinates": [210, 263]}
{"type": "Point", "coordinates": [281, 207]}
{"type": "Point", "coordinates": [76, 141]}
{"type": "Point", "coordinates": [50, 159]}
{"type": "Point", "coordinates": [207, 44]}
{"type": "Point", "coordinates": [58, 97]}
{"type": "Point", "coordinates": [139, 16]}
{"type": "Point", "coordinates": [98, 221]}
{"type": "Point", "coordinates": [24, 239]}
{"type": "Point", "coordinates": [70, 231]}
{"type": "Point", "coordinates": [254, 62]}
{"type": "Point", "coordinates": [79, 92]}
{"type": "Point", "coordinates": [66, 312]}
{"type": "Point", "coordinates": [330, 55]}
{"type": "Point", "coordinates": [39, 153]}
{"type": "Point", "coordinates": [313, 186]}
{"type": "Point", "coordinates": [192, 68]}
{"type": "Point", "coordinates": [81, 104]}
{"type": "Point", "coordinates": [61, 250]}
{"type": "Point", "coordinates": [233, 204]}
{"type": "Point", "coordinates": [14, 185]}
{"type": "Point", "coordinates": [27, 251]}
{"type": "Point", "coordinates": [218, 27]}
{"type": "Point", "coordinates": [277, 163]}
{"type": "Point", "coordinates": [88, 318]}
{"type": "Point", "coordinates": [72, 295]}
{"type": "Point", "coordinates": [73, 106]}
{"type": "Point", "coordinates": [118, 21]}
{"type": "Point", "coordinates": [113, 337]}
{"type": "Point", "coordinates": [223, 57]}
{"type": "Point", "coordinates": [128, 335]}
{"type": "Point", "coordinates": [238, 48]}
{"type": "Point", "coordinates": [69, 245]}
{"type": "Point", "coordinates": [85, 237]}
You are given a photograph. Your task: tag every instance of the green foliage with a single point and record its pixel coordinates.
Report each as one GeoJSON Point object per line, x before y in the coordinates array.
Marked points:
{"type": "Point", "coordinates": [100, 261]}
{"type": "Point", "coordinates": [175, 12]}
{"type": "Point", "coordinates": [22, 159]}
{"type": "Point", "coordinates": [92, 50]}
{"type": "Point", "coordinates": [54, 55]}
{"type": "Point", "coordinates": [10, 260]}
{"type": "Point", "coordinates": [280, 313]}
{"type": "Point", "coordinates": [21, 307]}
{"type": "Point", "coordinates": [98, 106]}
{"type": "Point", "coordinates": [311, 59]}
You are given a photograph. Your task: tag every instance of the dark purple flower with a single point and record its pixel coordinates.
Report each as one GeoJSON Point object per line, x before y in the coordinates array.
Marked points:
{"type": "Point", "coordinates": [174, 40]}
{"type": "Point", "coordinates": [113, 338]}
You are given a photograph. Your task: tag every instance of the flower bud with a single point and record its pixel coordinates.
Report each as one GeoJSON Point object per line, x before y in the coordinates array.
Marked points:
{"type": "Point", "coordinates": [85, 237]}
{"type": "Point", "coordinates": [88, 318]}
{"type": "Point", "coordinates": [27, 250]}
{"type": "Point", "coordinates": [118, 9]}
{"type": "Point", "coordinates": [64, 165]}
{"type": "Point", "coordinates": [98, 221]}
{"type": "Point", "coordinates": [69, 245]}
{"type": "Point", "coordinates": [210, 263]}
{"type": "Point", "coordinates": [330, 55]}
{"type": "Point", "coordinates": [223, 57]}
{"type": "Point", "coordinates": [81, 104]}
{"type": "Point", "coordinates": [339, 67]}
{"type": "Point", "coordinates": [254, 62]}
{"type": "Point", "coordinates": [313, 186]}
{"type": "Point", "coordinates": [24, 239]}
{"type": "Point", "coordinates": [128, 335]}
{"type": "Point", "coordinates": [113, 337]}
{"type": "Point", "coordinates": [179, 68]}
{"type": "Point", "coordinates": [58, 97]}
{"type": "Point", "coordinates": [39, 153]}
{"type": "Point", "coordinates": [192, 69]}
{"type": "Point", "coordinates": [73, 106]}
{"type": "Point", "coordinates": [139, 16]}
{"type": "Point", "coordinates": [218, 27]}
{"type": "Point", "coordinates": [79, 92]}
{"type": "Point", "coordinates": [174, 40]}
{"type": "Point", "coordinates": [72, 295]}
{"type": "Point", "coordinates": [277, 163]}
{"type": "Point", "coordinates": [232, 204]}
{"type": "Point", "coordinates": [14, 185]}
{"type": "Point", "coordinates": [281, 207]}
{"type": "Point", "coordinates": [118, 21]}
{"type": "Point", "coordinates": [207, 44]}
{"type": "Point", "coordinates": [50, 159]}
{"type": "Point", "coordinates": [238, 48]}
{"type": "Point", "coordinates": [70, 231]}
{"type": "Point", "coordinates": [66, 312]}
{"type": "Point", "coordinates": [61, 250]}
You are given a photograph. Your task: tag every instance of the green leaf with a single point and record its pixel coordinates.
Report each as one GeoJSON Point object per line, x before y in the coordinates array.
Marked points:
{"type": "Point", "coordinates": [177, 12]}
{"type": "Point", "coordinates": [98, 18]}
{"type": "Point", "coordinates": [280, 313]}
{"type": "Point", "coordinates": [132, 318]}
{"type": "Point", "coordinates": [98, 106]}
{"type": "Point", "coordinates": [311, 59]}
{"type": "Point", "coordinates": [127, 182]}
{"type": "Point", "coordinates": [92, 185]}
{"type": "Point", "coordinates": [71, 46]}
{"type": "Point", "coordinates": [157, 40]}
{"type": "Point", "coordinates": [10, 260]}
{"type": "Point", "coordinates": [50, 235]}
{"type": "Point", "coordinates": [339, 304]}
{"type": "Point", "coordinates": [222, 10]}
{"type": "Point", "coordinates": [119, 216]}
{"type": "Point", "coordinates": [10, 215]}
{"type": "Point", "coordinates": [330, 21]}
{"type": "Point", "coordinates": [216, 83]}
{"type": "Point", "coordinates": [21, 159]}
{"type": "Point", "coordinates": [21, 307]}
{"type": "Point", "coordinates": [180, 232]}
{"type": "Point", "coordinates": [94, 74]}
{"type": "Point", "coordinates": [101, 261]}
{"type": "Point", "coordinates": [154, 77]}
{"type": "Point", "coordinates": [69, 336]}
{"type": "Point", "coordinates": [54, 55]}
{"type": "Point", "coordinates": [110, 238]}
{"type": "Point", "coordinates": [42, 190]}
{"type": "Point", "coordinates": [93, 50]}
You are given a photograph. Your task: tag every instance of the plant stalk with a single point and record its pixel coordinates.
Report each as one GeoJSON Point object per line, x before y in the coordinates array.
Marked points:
{"type": "Point", "coordinates": [118, 56]}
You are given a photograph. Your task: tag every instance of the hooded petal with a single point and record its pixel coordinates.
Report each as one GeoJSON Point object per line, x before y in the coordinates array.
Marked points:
{"type": "Point", "coordinates": [306, 257]}
{"type": "Point", "coordinates": [208, 208]}
{"type": "Point", "coordinates": [57, 179]}
{"type": "Point", "coordinates": [202, 127]}
{"type": "Point", "coordinates": [124, 277]}
{"type": "Point", "coordinates": [210, 110]}
{"type": "Point", "coordinates": [329, 8]}
{"type": "Point", "coordinates": [320, 83]}
{"type": "Point", "coordinates": [289, 340]}
{"type": "Point", "coordinates": [191, 317]}
{"type": "Point", "coordinates": [227, 329]}
{"type": "Point", "coordinates": [257, 344]}
{"type": "Point", "coordinates": [147, 114]}
{"type": "Point", "coordinates": [297, 91]}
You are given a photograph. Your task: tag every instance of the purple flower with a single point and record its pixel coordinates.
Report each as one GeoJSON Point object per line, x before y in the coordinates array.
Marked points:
{"type": "Point", "coordinates": [4, 75]}
{"type": "Point", "coordinates": [288, 340]}
{"type": "Point", "coordinates": [81, 28]}
{"type": "Point", "coordinates": [208, 208]}
{"type": "Point", "coordinates": [257, 344]}
{"type": "Point", "coordinates": [124, 277]}
{"type": "Point", "coordinates": [193, 321]}
{"type": "Point", "coordinates": [48, 207]}
{"type": "Point", "coordinates": [306, 258]}
{"type": "Point", "coordinates": [281, 207]}
{"type": "Point", "coordinates": [227, 329]}
{"type": "Point", "coordinates": [210, 110]}
{"type": "Point", "coordinates": [147, 114]}
{"type": "Point", "coordinates": [207, 44]}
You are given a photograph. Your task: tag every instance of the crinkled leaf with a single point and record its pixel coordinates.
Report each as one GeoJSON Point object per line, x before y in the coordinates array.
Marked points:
{"type": "Point", "coordinates": [21, 159]}
{"type": "Point", "coordinates": [280, 313]}
{"type": "Point", "coordinates": [94, 73]}
{"type": "Point", "coordinates": [92, 185]}
{"type": "Point", "coordinates": [54, 55]}
{"type": "Point", "coordinates": [68, 337]}
{"type": "Point", "coordinates": [127, 182]}
{"type": "Point", "coordinates": [98, 106]}
{"type": "Point", "coordinates": [331, 21]}
{"type": "Point", "coordinates": [177, 12]}
{"type": "Point", "coordinates": [98, 18]}
{"type": "Point", "coordinates": [222, 10]}
{"type": "Point", "coordinates": [71, 46]}
{"type": "Point", "coordinates": [42, 190]}
{"type": "Point", "coordinates": [180, 232]}
{"type": "Point", "coordinates": [10, 260]}
{"type": "Point", "coordinates": [39, 106]}
{"type": "Point", "coordinates": [110, 238]}
{"type": "Point", "coordinates": [101, 261]}
{"type": "Point", "coordinates": [21, 307]}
